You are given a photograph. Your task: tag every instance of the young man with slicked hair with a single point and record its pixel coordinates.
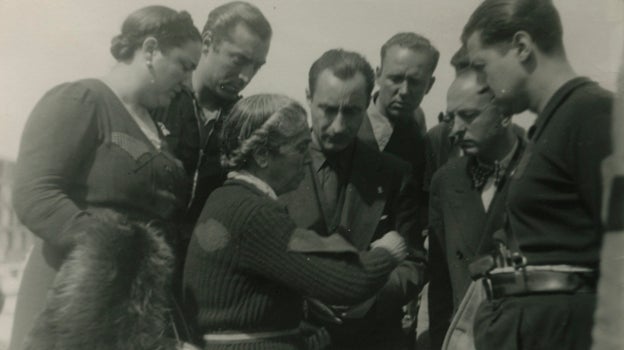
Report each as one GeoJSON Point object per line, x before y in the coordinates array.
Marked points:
{"type": "Point", "coordinates": [542, 288]}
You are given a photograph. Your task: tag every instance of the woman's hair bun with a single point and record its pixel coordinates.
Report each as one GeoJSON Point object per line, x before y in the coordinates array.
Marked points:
{"type": "Point", "coordinates": [121, 47]}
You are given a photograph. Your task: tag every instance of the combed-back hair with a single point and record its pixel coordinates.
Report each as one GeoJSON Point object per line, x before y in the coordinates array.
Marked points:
{"type": "Point", "coordinates": [498, 21]}
{"type": "Point", "coordinates": [169, 27]}
{"type": "Point", "coordinates": [262, 122]}
{"type": "Point", "coordinates": [344, 65]}
{"type": "Point", "coordinates": [223, 19]}
{"type": "Point", "coordinates": [414, 42]}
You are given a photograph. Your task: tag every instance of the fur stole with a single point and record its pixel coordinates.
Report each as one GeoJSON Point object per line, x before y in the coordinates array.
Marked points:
{"type": "Point", "coordinates": [112, 292]}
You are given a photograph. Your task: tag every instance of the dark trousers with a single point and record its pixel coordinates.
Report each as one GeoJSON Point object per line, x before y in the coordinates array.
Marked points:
{"type": "Point", "coordinates": [371, 339]}
{"type": "Point", "coordinates": [536, 322]}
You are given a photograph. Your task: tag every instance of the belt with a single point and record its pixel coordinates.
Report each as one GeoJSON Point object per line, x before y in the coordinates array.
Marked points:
{"type": "Point", "coordinates": [246, 337]}
{"type": "Point", "coordinates": [499, 284]}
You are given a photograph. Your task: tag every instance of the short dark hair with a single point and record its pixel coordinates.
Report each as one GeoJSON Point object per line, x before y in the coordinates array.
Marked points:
{"type": "Point", "coordinates": [499, 20]}
{"type": "Point", "coordinates": [344, 64]}
{"type": "Point", "coordinates": [169, 27]}
{"type": "Point", "coordinates": [414, 42]}
{"type": "Point", "coordinates": [223, 19]}
{"type": "Point", "coordinates": [460, 60]}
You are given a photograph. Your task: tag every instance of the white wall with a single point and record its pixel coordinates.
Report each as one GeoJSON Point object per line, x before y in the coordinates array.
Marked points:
{"type": "Point", "coordinates": [44, 42]}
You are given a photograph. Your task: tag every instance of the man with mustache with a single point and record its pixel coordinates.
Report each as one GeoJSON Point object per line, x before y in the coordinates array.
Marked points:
{"type": "Point", "coordinates": [236, 39]}
{"type": "Point", "coordinates": [467, 195]}
{"type": "Point", "coordinates": [355, 190]}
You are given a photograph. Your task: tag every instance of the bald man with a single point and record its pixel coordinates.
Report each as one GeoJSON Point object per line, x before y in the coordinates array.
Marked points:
{"type": "Point", "coordinates": [467, 195]}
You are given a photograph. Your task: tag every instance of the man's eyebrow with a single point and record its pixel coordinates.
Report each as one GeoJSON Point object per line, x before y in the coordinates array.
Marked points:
{"type": "Point", "coordinates": [485, 89]}
{"type": "Point", "coordinates": [326, 105]}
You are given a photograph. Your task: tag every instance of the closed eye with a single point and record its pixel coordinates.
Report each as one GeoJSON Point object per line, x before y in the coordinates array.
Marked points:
{"type": "Point", "coordinates": [468, 115]}
{"type": "Point", "coordinates": [478, 67]}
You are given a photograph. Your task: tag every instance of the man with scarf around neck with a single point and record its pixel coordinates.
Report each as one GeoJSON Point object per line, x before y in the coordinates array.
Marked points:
{"type": "Point", "coordinates": [467, 195]}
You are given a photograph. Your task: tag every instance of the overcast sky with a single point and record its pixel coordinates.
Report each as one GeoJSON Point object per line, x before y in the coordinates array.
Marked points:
{"type": "Point", "coordinates": [44, 42]}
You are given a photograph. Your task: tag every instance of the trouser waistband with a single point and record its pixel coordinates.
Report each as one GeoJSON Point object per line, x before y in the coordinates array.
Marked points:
{"type": "Point", "coordinates": [237, 336]}
{"type": "Point", "coordinates": [499, 284]}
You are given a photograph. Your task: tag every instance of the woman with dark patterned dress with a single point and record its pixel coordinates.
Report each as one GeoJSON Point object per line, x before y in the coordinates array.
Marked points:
{"type": "Point", "coordinates": [93, 167]}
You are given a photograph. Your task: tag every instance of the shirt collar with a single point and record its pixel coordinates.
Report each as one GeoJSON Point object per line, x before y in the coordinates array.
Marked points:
{"type": "Point", "coordinates": [555, 101]}
{"type": "Point", "coordinates": [319, 158]}
{"type": "Point", "coordinates": [317, 155]}
{"type": "Point", "coordinates": [381, 125]}
{"type": "Point", "coordinates": [203, 114]}
{"type": "Point", "coordinates": [253, 180]}
{"type": "Point", "coordinates": [500, 166]}
{"type": "Point", "coordinates": [504, 163]}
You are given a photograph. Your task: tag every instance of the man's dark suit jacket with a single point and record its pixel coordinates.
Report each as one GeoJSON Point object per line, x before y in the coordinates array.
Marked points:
{"type": "Point", "coordinates": [460, 231]}
{"type": "Point", "coordinates": [438, 149]}
{"type": "Point", "coordinates": [408, 144]}
{"type": "Point", "coordinates": [379, 198]}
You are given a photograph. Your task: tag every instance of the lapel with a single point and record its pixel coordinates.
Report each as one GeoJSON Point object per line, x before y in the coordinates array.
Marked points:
{"type": "Point", "coordinates": [553, 104]}
{"type": "Point", "coordinates": [365, 197]}
{"type": "Point", "coordinates": [304, 204]}
{"type": "Point", "coordinates": [466, 207]}
{"type": "Point", "coordinates": [365, 134]}
{"type": "Point", "coordinates": [498, 207]}
{"type": "Point", "coordinates": [494, 219]}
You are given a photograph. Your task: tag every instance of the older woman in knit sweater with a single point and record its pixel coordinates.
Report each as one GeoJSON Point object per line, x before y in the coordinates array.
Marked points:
{"type": "Point", "coordinates": [248, 266]}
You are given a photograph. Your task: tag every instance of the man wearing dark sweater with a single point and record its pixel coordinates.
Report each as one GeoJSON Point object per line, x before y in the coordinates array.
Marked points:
{"type": "Point", "coordinates": [359, 192]}
{"type": "Point", "coordinates": [542, 292]}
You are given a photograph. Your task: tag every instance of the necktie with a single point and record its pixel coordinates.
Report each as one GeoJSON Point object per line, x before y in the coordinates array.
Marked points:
{"type": "Point", "coordinates": [480, 173]}
{"type": "Point", "coordinates": [331, 185]}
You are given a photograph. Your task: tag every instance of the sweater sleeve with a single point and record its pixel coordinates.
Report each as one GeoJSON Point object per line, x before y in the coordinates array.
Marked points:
{"type": "Point", "coordinates": [331, 278]}
{"type": "Point", "coordinates": [591, 144]}
{"type": "Point", "coordinates": [58, 137]}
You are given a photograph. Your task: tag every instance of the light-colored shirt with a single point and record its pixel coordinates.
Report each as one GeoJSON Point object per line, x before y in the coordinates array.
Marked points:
{"type": "Point", "coordinates": [490, 188]}
{"type": "Point", "coordinates": [382, 127]}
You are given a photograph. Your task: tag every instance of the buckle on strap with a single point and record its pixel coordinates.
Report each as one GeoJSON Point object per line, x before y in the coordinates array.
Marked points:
{"type": "Point", "coordinates": [533, 281]}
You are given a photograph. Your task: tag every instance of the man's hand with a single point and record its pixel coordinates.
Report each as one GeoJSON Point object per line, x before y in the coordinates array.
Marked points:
{"type": "Point", "coordinates": [394, 243]}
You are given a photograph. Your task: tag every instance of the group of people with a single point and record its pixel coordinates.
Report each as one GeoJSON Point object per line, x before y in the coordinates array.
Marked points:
{"type": "Point", "coordinates": [175, 214]}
